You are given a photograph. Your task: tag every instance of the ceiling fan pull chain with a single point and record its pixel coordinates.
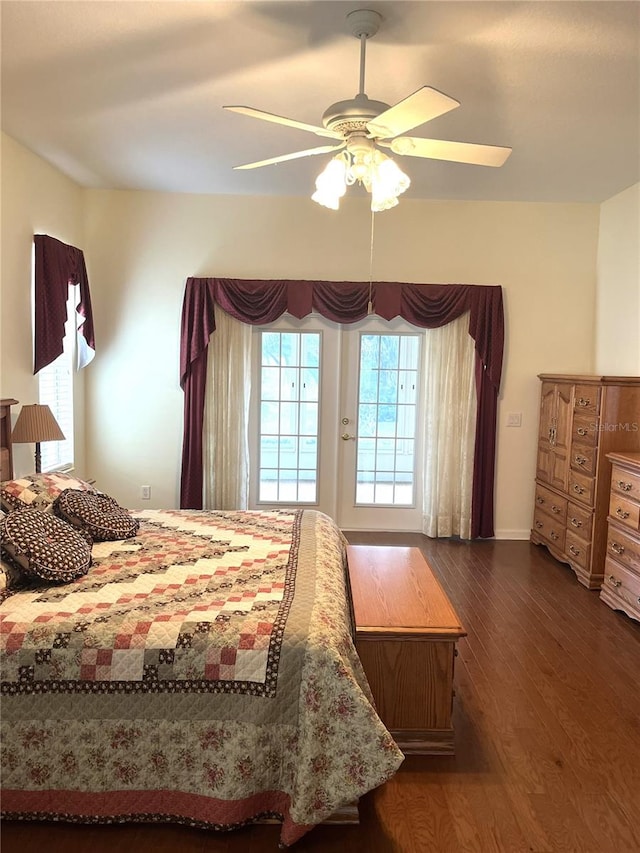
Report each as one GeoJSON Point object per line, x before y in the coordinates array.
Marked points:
{"type": "Point", "coordinates": [370, 303]}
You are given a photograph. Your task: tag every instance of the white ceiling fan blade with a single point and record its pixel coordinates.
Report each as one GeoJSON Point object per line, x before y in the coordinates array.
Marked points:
{"type": "Point", "coordinates": [321, 149]}
{"type": "Point", "coordinates": [422, 106]}
{"type": "Point", "coordinates": [440, 149]}
{"type": "Point", "coordinates": [289, 122]}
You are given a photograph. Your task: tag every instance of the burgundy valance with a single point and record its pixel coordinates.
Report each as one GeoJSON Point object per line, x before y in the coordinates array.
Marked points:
{"type": "Point", "coordinates": [57, 265]}
{"type": "Point", "coordinates": [425, 305]}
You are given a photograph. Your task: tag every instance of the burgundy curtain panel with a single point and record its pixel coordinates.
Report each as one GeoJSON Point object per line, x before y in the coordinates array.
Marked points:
{"type": "Point", "coordinates": [57, 265]}
{"type": "Point", "coordinates": [425, 305]}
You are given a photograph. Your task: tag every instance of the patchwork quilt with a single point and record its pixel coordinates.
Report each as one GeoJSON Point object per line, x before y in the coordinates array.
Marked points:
{"type": "Point", "coordinates": [203, 672]}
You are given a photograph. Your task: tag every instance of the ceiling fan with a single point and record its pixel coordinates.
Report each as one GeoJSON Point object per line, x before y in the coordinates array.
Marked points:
{"type": "Point", "coordinates": [362, 126]}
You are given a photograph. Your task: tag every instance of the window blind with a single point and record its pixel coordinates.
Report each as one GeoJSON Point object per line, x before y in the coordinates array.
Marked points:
{"type": "Point", "coordinates": [56, 391]}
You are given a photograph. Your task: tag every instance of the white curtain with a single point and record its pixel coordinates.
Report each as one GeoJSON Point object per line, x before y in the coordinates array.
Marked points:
{"type": "Point", "coordinates": [226, 415]}
{"type": "Point", "coordinates": [450, 426]}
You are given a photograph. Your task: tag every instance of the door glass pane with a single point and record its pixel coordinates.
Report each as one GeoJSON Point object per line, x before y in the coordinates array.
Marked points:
{"type": "Point", "coordinates": [289, 399]}
{"type": "Point", "coordinates": [387, 419]}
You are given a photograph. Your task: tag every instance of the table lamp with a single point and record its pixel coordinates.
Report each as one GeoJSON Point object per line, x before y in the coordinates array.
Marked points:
{"type": "Point", "coordinates": [36, 423]}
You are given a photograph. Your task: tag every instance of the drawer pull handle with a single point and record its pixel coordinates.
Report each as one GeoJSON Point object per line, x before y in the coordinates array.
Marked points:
{"type": "Point", "coordinates": [582, 430]}
{"type": "Point", "coordinates": [580, 460]}
{"type": "Point", "coordinates": [617, 548]}
{"type": "Point", "coordinates": [582, 402]}
{"type": "Point", "coordinates": [575, 551]}
{"type": "Point", "coordinates": [539, 525]}
{"type": "Point", "coordinates": [556, 509]}
{"type": "Point", "coordinates": [576, 522]}
{"type": "Point", "coordinates": [579, 489]}
{"type": "Point", "coordinates": [614, 582]}
{"type": "Point", "coordinates": [540, 500]}
{"type": "Point", "coordinates": [624, 487]}
{"type": "Point", "coordinates": [554, 535]}
{"type": "Point", "coordinates": [622, 513]}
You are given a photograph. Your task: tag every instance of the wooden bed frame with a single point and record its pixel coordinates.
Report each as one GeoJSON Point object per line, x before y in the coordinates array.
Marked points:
{"type": "Point", "coordinates": [6, 449]}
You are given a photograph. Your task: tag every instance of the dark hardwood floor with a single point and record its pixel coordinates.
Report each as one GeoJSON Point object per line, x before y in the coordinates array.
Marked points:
{"type": "Point", "coordinates": [547, 718]}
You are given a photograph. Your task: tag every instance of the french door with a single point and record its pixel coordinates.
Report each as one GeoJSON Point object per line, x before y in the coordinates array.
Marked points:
{"type": "Point", "coordinates": [335, 420]}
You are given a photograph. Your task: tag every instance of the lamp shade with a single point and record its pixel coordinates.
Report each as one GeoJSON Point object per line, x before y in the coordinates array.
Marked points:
{"type": "Point", "coordinates": [36, 423]}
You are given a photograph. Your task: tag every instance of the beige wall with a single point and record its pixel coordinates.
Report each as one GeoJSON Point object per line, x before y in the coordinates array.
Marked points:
{"type": "Point", "coordinates": [618, 293]}
{"type": "Point", "coordinates": [140, 247]}
{"type": "Point", "coordinates": [36, 199]}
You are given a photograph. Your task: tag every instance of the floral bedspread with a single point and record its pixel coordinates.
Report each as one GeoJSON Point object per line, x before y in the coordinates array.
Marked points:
{"type": "Point", "coordinates": [203, 672]}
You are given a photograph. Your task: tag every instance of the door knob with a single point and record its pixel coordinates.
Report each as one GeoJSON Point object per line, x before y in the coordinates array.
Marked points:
{"type": "Point", "coordinates": [346, 436]}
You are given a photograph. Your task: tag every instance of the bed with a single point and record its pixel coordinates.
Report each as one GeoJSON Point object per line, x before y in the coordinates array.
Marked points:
{"type": "Point", "coordinates": [202, 671]}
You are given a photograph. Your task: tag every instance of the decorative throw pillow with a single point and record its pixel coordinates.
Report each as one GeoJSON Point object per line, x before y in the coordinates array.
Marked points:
{"type": "Point", "coordinates": [38, 490]}
{"type": "Point", "coordinates": [45, 547]}
{"type": "Point", "coordinates": [101, 516]}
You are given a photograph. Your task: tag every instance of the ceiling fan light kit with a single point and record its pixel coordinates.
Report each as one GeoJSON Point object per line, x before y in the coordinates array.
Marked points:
{"type": "Point", "coordinates": [361, 163]}
{"type": "Point", "coordinates": [362, 126]}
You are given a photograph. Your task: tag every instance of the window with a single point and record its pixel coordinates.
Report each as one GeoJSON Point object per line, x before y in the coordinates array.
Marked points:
{"type": "Point", "coordinates": [288, 429]}
{"type": "Point", "coordinates": [387, 406]}
{"type": "Point", "coordinates": [56, 391]}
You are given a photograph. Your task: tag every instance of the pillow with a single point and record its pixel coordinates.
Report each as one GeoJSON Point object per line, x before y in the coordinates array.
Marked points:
{"type": "Point", "coordinates": [38, 490]}
{"type": "Point", "coordinates": [97, 514]}
{"type": "Point", "coordinates": [44, 547]}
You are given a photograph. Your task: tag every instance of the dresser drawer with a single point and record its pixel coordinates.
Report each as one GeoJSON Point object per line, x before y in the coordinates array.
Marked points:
{"type": "Point", "coordinates": [584, 430]}
{"type": "Point", "coordinates": [577, 549]}
{"type": "Point", "coordinates": [622, 584]}
{"type": "Point", "coordinates": [581, 488]}
{"type": "Point", "coordinates": [624, 483]}
{"type": "Point", "coordinates": [624, 511]}
{"type": "Point", "coordinates": [579, 521]}
{"type": "Point", "coordinates": [623, 547]}
{"type": "Point", "coordinates": [549, 502]}
{"type": "Point", "coordinates": [583, 458]}
{"type": "Point", "coordinates": [550, 528]}
{"type": "Point", "coordinates": [586, 398]}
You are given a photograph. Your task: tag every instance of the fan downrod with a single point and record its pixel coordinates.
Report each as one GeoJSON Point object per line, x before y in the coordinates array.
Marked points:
{"type": "Point", "coordinates": [351, 116]}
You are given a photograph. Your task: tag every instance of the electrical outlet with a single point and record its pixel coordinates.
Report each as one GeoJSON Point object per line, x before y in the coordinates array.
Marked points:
{"type": "Point", "coordinates": [514, 419]}
{"type": "Point", "coordinates": [145, 493]}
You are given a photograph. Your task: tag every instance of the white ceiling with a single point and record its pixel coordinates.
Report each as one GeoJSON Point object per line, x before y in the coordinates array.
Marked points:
{"type": "Point", "coordinates": [129, 94]}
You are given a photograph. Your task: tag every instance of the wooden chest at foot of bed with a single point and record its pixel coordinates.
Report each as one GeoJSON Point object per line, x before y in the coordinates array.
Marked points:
{"type": "Point", "coordinates": [406, 635]}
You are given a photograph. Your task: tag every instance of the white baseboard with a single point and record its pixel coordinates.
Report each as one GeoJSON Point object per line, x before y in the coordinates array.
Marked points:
{"type": "Point", "coordinates": [513, 534]}
{"type": "Point", "coordinates": [518, 535]}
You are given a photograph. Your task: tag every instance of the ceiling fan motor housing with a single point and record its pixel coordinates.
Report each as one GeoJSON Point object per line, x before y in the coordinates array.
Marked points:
{"type": "Point", "coordinates": [348, 116]}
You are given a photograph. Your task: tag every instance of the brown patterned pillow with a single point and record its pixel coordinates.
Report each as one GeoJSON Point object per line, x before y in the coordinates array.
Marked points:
{"type": "Point", "coordinates": [98, 514]}
{"type": "Point", "coordinates": [38, 490]}
{"type": "Point", "coordinates": [44, 547]}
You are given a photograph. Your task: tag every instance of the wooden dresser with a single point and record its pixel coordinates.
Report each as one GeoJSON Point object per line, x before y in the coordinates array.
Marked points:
{"type": "Point", "coordinates": [406, 635]}
{"type": "Point", "coordinates": [582, 418]}
{"type": "Point", "coordinates": [621, 586]}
